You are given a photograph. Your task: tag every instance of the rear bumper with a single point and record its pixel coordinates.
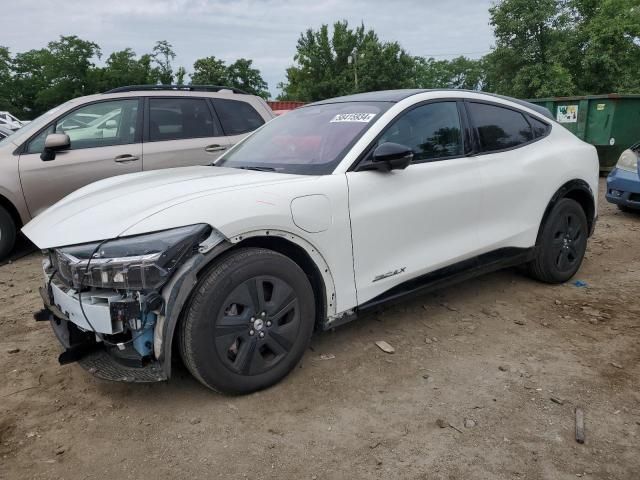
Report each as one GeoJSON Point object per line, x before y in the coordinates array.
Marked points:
{"type": "Point", "coordinates": [623, 188]}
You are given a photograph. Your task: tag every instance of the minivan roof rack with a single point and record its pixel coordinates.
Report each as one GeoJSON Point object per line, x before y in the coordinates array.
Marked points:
{"type": "Point", "coordinates": [188, 88]}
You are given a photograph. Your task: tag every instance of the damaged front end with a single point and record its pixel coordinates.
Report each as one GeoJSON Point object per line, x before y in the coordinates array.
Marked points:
{"type": "Point", "coordinates": [108, 301]}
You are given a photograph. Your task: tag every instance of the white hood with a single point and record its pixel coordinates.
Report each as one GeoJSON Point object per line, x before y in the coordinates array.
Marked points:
{"type": "Point", "coordinates": [108, 208]}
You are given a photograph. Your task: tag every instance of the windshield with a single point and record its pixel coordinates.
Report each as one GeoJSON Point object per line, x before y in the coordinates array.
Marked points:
{"type": "Point", "coordinates": [310, 140]}
{"type": "Point", "coordinates": [35, 125]}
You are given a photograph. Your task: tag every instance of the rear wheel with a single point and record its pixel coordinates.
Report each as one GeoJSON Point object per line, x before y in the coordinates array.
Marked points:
{"type": "Point", "coordinates": [249, 322]}
{"type": "Point", "coordinates": [562, 244]}
{"type": "Point", "coordinates": [7, 233]}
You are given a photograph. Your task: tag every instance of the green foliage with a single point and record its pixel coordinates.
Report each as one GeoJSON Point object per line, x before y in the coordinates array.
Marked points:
{"type": "Point", "coordinates": [5, 78]}
{"type": "Point", "coordinates": [564, 47]}
{"type": "Point", "coordinates": [528, 59]}
{"type": "Point", "coordinates": [240, 74]}
{"type": "Point", "coordinates": [323, 68]}
{"type": "Point", "coordinates": [542, 48]}
{"type": "Point", "coordinates": [180, 74]}
{"type": "Point", "coordinates": [606, 40]}
{"type": "Point", "coordinates": [209, 71]}
{"type": "Point", "coordinates": [162, 56]}
{"type": "Point", "coordinates": [35, 81]}
{"type": "Point", "coordinates": [123, 68]}
{"type": "Point", "coordinates": [461, 72]}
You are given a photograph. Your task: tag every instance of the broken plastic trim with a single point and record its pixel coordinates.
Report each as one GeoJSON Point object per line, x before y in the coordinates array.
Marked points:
{"type": "Point", "coordinates": [141, 262]}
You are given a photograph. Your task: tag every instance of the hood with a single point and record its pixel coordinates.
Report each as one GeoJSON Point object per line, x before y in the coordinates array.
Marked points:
{"type": "Point", "coordinates": [108, 208]}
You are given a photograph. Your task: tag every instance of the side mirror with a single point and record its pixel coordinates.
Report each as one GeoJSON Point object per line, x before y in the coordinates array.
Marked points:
{"type": "Point", "coordinates": [55, 142]}
{"type": "Point", "coordinates": [391, 156]}
{"type": "Point", "coordinates": [111, 124]}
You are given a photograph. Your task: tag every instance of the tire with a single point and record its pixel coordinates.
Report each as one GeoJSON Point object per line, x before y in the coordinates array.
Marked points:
{"type": "Point", "coordinates": [562, 245]}
{"type": "Point", "coordinates": [625, 209]}
{"type": "Point", "coordinates": [7, 233]}
{"type": "Point", "coordinates": [248, 323]}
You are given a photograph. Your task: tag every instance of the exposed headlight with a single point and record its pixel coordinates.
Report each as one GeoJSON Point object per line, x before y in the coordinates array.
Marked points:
{"type": "Point", "coordinates": [628, 161]}
{"type": "Point", "coordinates": [143, 262]}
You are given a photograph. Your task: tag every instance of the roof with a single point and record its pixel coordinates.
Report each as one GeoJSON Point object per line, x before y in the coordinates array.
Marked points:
{"type": "Point", "coordinates": [610, 96]}
{"type": "Point", "coordinates": [380, 96]}
{"type": "Point", "coordinates": [395, 96]}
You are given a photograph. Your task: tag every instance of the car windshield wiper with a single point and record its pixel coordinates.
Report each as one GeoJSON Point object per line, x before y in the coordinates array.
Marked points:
{"type": "Point", "coordinates": [257, 169]}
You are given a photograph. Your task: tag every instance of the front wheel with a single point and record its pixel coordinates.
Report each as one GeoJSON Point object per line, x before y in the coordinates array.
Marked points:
{"type": "Point", "coordinates": [249, 321]}
{"type": "Point", "coordinates": [562, 245]}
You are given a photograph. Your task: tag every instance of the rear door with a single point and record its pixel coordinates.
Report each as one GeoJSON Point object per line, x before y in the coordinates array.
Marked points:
{"type": "Point", "coordinates": [512, 172]}
{"type": "Point", "coordinates": [181, 132]}
{"type": "Point", "coordinates": [106, 140]}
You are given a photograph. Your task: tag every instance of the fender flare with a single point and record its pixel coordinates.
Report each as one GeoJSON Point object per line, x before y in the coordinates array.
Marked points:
{"type": "Point", "coordinates": [570, 186]}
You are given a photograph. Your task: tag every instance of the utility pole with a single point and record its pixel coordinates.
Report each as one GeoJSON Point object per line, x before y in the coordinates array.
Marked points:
{"type": "Point", "coordinates": [353, 58]}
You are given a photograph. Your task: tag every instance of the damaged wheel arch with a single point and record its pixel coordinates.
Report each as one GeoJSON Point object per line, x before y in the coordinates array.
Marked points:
{"type": "Point", "coordinates": [180, 288]}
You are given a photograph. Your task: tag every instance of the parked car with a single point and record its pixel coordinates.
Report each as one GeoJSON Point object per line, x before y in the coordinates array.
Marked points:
{"type": "Point", "coordinates": [5, 132]}
{"type": "Point", "coordinates": [322, 214]}
{"type": "Point", "coordinates": [623, 183]}
{"type": "Point", "coordinates": [9, 121]}
{"type": "Point", "coordinates": [99, 136]}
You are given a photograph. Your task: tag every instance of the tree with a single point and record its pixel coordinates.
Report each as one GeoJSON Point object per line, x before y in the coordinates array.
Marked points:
{"type": "Point", "coordinates": [240, 74]}
{"type": "Point", "coordinates": [322, 68]}
{"type": "Point", "coordinates": [209, 71]}
{"type": "Point", "coordinates": [5, 79]}
{"type": "Point", "coordinates": [460, 72]}
{"type": "Point", "coordinates": [605, 45]}
{"type": "Point", "coordinates": [180, 74]}
{"type": "Point", "coordinates": [123, 68]}
{"type": "Point", "coordinates": [531, 38]}
{"type": "Point", "coordinates": [162, 56]}
{"type": "Point", "coordinates": [66, 69]}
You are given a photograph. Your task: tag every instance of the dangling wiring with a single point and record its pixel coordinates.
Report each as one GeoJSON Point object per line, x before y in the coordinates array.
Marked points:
{"type": "Point", "coordinates": [119, 345]}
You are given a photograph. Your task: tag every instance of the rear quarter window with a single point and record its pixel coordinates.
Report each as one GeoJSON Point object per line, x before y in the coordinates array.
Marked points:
{"type": "Point", "coordinates": [237, 117]}
{"type": "Point", "coordinates": [540, 129]}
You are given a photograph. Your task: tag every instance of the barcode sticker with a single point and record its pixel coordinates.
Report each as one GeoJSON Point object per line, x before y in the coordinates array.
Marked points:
{"type": "Point", "coordinates": [353, 117]}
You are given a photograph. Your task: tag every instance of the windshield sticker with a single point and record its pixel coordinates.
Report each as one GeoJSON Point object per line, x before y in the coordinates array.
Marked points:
{"type": "Point", "coordinates": [353, 117]}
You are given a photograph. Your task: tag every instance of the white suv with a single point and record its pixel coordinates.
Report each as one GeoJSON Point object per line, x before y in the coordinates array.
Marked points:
{"type": "Point", "coordinates": [314, 218]}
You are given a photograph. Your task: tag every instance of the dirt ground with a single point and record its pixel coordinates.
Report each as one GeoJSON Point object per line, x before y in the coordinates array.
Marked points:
{"type": "Point", "coordinates": [483, 385]}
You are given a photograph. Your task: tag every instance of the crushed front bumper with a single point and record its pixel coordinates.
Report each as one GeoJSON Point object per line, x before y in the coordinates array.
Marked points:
{"type": "Point", "coordinates": [81, 345]}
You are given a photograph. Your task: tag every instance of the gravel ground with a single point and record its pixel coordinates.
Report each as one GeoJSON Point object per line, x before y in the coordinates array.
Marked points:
{"type": "Point", "coordinates": [483, 384]}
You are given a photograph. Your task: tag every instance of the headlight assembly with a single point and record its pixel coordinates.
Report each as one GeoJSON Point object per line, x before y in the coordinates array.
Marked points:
{"type": "Point", "coordinates": [142, 262]}
{"type": "Point", "coordinates": [628, 161]}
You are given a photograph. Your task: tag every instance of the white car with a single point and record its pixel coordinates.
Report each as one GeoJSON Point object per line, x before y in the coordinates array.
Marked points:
{"type": "Point", "coordinates": [11, 122]}
{"type": "Point", "coordinates": [319, 215]}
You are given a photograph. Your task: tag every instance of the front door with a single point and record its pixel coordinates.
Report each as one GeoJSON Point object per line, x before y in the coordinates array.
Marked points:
{"type": "Point", "coordinates": [406, 223]}
{"type": "Point", "coordinates": [105, 141]}
{"type": "Point", "coordinates": [181, 132]}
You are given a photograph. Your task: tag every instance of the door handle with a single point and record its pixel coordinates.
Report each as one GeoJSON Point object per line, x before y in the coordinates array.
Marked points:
{"type": "Point", "coordinates": [214, 148]}
{"type": "Point", "coordinates": [126, 158]}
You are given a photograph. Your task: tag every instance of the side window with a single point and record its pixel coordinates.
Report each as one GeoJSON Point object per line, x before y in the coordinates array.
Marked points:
{"type": "Point", "coordinates": [237, 117]}
{"type": "Point", "coordinates": [433, 131]}
{"type": "Point", "coordinates": [540, 129]}
{"type": "Point", "coordinates": [179, 119]}
{"type": "Point", "coordinates": [499, 128]}
{"type": "Point", "coordinates": [96, 125]}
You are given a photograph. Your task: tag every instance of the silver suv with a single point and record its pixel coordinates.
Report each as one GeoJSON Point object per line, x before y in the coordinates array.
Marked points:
{"type": "Point", "coordinates": [126, 130]}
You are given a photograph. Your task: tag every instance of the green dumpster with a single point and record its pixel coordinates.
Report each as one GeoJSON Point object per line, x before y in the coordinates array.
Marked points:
{"type": "Point", "coordinates": [609, 122]}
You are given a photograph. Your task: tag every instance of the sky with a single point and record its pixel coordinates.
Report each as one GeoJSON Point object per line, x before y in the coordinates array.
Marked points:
{"type": "Point", "coordinates": [265, 31]}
